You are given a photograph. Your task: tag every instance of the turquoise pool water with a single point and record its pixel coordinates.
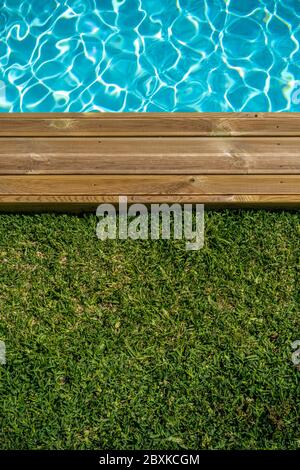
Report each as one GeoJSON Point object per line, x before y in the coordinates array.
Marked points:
{"type": "Point", "coordinates": [149, 55]}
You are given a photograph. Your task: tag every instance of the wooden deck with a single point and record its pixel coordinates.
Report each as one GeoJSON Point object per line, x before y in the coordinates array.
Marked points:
{"type": "Point", "coordinates": [76, 161]}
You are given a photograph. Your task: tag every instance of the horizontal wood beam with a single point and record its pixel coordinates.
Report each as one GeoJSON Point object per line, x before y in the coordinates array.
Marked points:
{"type": "Point", "coordinates": [175, 185]}
{"type": "Point", "coordinates": [79, 204]}
{"type": "Point", "coordinates": [201, 155]}
{"type": "Point", "coordinates": [80, 160]}
{"type": "Point", "coordinates": [149, 124]}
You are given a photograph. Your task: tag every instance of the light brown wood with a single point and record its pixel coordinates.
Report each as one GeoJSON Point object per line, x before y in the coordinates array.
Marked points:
{"type": "Point", "coordinates": [147, 199]}
{"type": "Point", "coordinates": [79, 204]}
{"type": "Point", "coordinates": [175, 185]}
{"type": "Point", "coordinates": [206, 155]}
{"type": "Point", "coordinates": [79, 160]}
{"type": "Point", "coordinates": [150, 124]}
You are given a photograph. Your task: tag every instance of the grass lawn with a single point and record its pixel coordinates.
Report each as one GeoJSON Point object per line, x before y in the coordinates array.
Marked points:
{"type": "Point", "coordinates": [143, 345]}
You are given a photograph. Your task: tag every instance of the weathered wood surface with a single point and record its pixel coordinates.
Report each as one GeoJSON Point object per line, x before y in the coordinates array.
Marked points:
{"type": "Point", "coordinates": [201, 155]}
{"type": "Point", "coordinates": [215, 158]}
{"type": "Point", "coordinates": [149, 124]}
{"type": "Point", "coordinates": [149, 184]}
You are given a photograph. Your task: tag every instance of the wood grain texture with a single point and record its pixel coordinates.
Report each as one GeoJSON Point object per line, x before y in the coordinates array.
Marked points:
{"type": "Point", "coordinates": [150, 124]}
{"type": "Point", "coordinates": [147, 199]}
{"type": "Point", "coordinates": [81, 204]}
{"type": "Point", "coordinates": [70, 185]}
{"type": "Point", "coordinates": [202, 155]}
{"type": "Point", "coordinates": [80, 160]}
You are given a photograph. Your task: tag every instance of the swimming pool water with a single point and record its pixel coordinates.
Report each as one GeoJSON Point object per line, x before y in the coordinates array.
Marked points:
{"type": "Point", "coordinates": [149, 55]}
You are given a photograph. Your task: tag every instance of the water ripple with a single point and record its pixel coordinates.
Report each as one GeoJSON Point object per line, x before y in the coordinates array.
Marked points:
{"type": "Point", "coordinates": [149, 55]}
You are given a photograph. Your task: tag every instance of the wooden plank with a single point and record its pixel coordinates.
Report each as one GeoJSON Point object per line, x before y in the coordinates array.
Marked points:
{"type": "Point", "coordinates": [202, 155]}
{"type": "Point", "coordinates": [146, 198]}
{"type": "Point", "coordinates": [80, 160]}
{"type": "Point", "coordinates": [150, 124]}
{"type": "Point", "coordinates": [79, 204]}
{"type": "Point", "coordinates": [160, 185]}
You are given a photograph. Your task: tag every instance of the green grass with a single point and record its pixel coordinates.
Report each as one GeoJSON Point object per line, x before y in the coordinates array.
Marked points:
{"type": "Point", "coordinates": [143, 345]}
